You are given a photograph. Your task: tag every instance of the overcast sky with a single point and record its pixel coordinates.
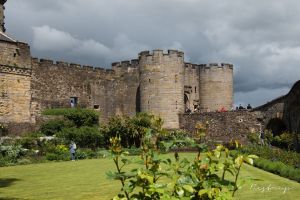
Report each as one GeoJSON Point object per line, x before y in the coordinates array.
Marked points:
{"type": "Point", "coordinates": [260, 37]}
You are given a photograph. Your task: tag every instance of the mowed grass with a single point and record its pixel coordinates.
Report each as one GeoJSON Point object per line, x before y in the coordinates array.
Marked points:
{"type": "Point", "coordinates": [86, 179]}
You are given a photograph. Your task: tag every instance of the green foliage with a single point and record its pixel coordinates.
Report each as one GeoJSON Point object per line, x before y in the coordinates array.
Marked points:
{"type": "Point", "coordinates": [59, 152]}
{"type": "Point", "coordinates": [52, 127]}
{"type": "Point", "coordinates": [79, 116]}
{"type": "Point", "coordinates": [275, 160]}
{"type": "Point", "coordinates": [84, 137]}
{"type": "Point", "coordinates": [132, 130]}
{"type": "Point", "coordinates": [279, 168]}
{"type": "Point", "coordinates": [273, 154]}
{"type": "Point", "coordinates": [284, 140]}
{"type": "Point", "coordinates": [199, 179]}
{"type": "Point", "coordinates": [9, 155]}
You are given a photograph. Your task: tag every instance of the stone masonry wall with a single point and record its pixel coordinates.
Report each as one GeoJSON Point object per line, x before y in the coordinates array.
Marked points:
{"type": "Point", "coordinates": [53, 84]}
{"type": "Point", "coordinates": [2, 15]}
{"type": "Point", "coordinates": [15, 54]}
{"type": "Point", "coordinates": [162, 85]}
{"type": "Point", "coordinates": [15, 98]}
{"type": "Point", "coordinates": [216, 87]}
{"type": "Point", "coordinates": [191, 85]}
{"type": "Point", "coordinates": [15, 83]}
{"type": "Point", "coordinates": [222, 126]}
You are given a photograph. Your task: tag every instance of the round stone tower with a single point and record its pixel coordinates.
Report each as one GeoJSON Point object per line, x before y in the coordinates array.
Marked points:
{"type": "Point", "coordinates": [2, 27]}
{"type": "Point", "coordinates": [162, 85]}
{"type": "Point", "coordinates": [216, 87]}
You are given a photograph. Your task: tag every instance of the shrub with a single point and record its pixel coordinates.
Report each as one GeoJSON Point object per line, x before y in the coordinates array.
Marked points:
{"type": "Point", "coordinates": [84, 137]}
{"type": "Point", "coordinates": [274, 154]}
{"type": "Point", "coordinates": [278, 168]}
{"type": "Point", "coordinates": [276, 161]}
{"type": "Point", "coordinates": [10, 154]}
{"type": "Point", "coordinates": [52, 127]}
{"type": "Point", "coordinates": [132, 130]}
{"type": "Point", "coordinates": [59, 152]}
{"type": "Point", "coordinates": [79, 116]}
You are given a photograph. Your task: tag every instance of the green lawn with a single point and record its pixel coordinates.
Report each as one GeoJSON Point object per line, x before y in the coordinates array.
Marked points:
{"type": "Point", "coordinates": [86, 179]}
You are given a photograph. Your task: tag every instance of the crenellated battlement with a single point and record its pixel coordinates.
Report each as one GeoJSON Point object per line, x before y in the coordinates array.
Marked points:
{"type": "Point", "coordinates": [191, 66]}
{"type": "Point", "coordinates": [211, 66]}
{"type": "Point", "coordinates": [160, 53]}
{"type": "Point", "coordinates": [51, 63]}
{"type": "Point", "coordinates": [125, 66]}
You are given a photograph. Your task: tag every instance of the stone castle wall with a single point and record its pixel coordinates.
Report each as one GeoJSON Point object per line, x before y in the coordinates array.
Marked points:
{"type": "Point", "coordinates": [2, 15]}
{"type": "Point", "coordinates": [222, 126]}
{"type": "Point", "coordinates": [216, 87]}
{"type": "Point", "coordinates": [15, 85]}
{"type": "Point", "coordinates": [162, 85]}
{"type": "Point", "coordinates": [15, 54]}
{"type": "Point", "coordinates": [191, 85]}
{"type": "Point", "coordinates": [107, 91]}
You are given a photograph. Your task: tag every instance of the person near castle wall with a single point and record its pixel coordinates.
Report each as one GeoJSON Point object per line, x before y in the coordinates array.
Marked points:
{"type": "Point", "coordinates": [261, 135]}
{"type": "Point", "coordinates": [72, 148]}
{"type": "Point", "coordinates": [72, 104]}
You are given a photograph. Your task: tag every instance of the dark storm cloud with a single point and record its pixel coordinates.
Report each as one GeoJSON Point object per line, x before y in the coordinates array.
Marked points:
{"type": "Point", "coordinates": [260, 37]}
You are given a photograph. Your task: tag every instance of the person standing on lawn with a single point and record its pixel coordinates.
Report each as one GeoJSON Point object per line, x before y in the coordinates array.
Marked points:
{"type": "Point", "coordinates": [72, 148]}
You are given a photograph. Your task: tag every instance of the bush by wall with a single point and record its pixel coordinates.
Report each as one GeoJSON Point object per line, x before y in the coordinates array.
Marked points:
{"type": "Point", "coordinates": [84, 137]}
{"type": "Point", "coordinates": [79, 116]}
{"type": "Point", "coordinates": [52, 127]}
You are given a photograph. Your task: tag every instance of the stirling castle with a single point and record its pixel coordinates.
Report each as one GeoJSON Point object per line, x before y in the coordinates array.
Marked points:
{"type": "Point", "coordinates": [157, 82]}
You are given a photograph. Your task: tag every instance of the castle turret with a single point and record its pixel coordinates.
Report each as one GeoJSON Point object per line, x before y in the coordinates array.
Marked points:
{"type": "Point", "coordinates": [2, 27]}
{"type": "Point", "coordinates": [162, 85]}
{"type": "Point", "coordinates": [216, 87]}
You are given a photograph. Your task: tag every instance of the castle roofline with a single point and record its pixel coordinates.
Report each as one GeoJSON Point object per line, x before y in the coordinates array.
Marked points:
{"type": "Point", "coordinates": [6, 38]}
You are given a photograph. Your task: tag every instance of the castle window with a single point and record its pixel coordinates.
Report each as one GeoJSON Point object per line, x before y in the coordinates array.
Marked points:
{"type": "Point", "coordinates": [195, 89]}
{"type": "Point", "coordinates": [149, 80]}
{"type": "Point", "coordinates": [96, 107]}
{"type": "Point", "coordinates": [15, 55]}
{"type": "Point", "coordinates": [176, 78]}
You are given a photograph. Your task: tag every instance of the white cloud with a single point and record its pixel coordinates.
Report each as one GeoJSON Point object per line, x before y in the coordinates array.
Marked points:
{"type": "Point", "coordinates": [50, 39]}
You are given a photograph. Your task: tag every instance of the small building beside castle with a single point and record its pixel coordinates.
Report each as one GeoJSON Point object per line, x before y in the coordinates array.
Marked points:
{"type": "Point", "coordinates": [157, 82]}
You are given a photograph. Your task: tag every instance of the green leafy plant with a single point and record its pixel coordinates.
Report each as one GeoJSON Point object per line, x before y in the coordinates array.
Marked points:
{"type": "Point", "coordinates": [52, 127]}
{"type": "Point", "coordinates": [79, 116]}
{"type": "Point", "coordinates": [158, 178]}
{"type": "Point", "coordinates": [84, 137]}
